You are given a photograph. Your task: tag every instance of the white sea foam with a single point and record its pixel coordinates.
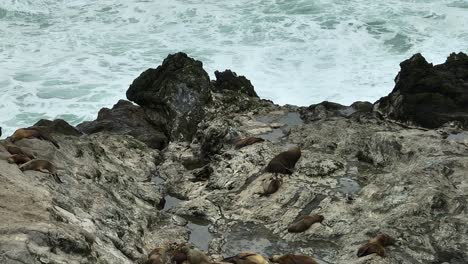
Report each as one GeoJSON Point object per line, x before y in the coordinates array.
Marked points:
{"type": "Point", "coordinates": [67, 59]}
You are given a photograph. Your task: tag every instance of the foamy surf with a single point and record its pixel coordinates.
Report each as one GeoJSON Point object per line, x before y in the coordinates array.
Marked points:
{"type": "Point", "coordinates": [67, 59]}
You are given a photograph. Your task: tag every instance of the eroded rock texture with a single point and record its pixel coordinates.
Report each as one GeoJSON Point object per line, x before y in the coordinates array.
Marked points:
{"type": "Point", "coordinates": [174, 94]}
{"type": "Point", "coordinates": [365, 174]}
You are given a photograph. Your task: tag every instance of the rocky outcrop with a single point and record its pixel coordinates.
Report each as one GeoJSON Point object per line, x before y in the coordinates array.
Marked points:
{"type": "Point", "coordinates": [228, 80]}
{"type": "Point", "coordinates": [126, 118]}
{"type": "Point", "coordinates": [173, 95]}
{"type": "Point", "coordinates": [120, 199]}
{"type": "Point", "coordinates": [428, 95]}
{"type": "Point", "coordinates": [57, 126]}
{"type": "Point", "coordinates": [327, 109]}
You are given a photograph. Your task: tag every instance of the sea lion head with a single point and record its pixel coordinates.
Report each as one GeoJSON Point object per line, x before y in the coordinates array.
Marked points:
{"type": "Point", "coordinates": [384, 240]}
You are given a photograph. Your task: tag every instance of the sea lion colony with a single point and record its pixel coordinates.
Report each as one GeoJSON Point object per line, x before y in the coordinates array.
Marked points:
{"type": "Point", "coordinates": [283, 163]}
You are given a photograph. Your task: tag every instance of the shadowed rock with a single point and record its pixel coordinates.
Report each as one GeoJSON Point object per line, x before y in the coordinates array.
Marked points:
{"type": "Point", "coordinates": [228, 80]}
{"type": "Point", "coordinates": [428, 95]}
{"type": "Point", "coordinates": [57, 126]}
{"type": "Point", "coordinates": [126, 118]}
{"type": "Point", "coordinates": [173, 95]}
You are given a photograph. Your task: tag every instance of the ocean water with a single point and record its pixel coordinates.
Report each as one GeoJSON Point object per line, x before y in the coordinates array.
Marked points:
{"type": "Point", "coordinates": [67, 59]}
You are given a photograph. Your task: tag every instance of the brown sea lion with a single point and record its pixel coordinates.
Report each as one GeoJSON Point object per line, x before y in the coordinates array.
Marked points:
{"type": "Point", "coordinates": [305, 222]}
{"type": "Point", "coordinates": [246, 258]}
{"type": "Point", "coordinates": [179, 258]}
{"type": "Point", "coordinates": [42, 166]}
{"type": "Point", "coordinates": [244, 142]}
{"type": "Point", "coordinates": [293, 259]}
{"type": "Point", "coordinates": [376, 245]}
{"type": "Point", "coordinates": [18, 159]}
{"type": "Point", "coordinates": [285, 161]}
{"type": "Point", "coordinates": [195, 256]}
{"type": "Point", "coordinates": [12, 149]}
{"type": "Point", "coordinates": [157, 256]}
{"type": "Point", "coordinates": [32, 132]}
{"type": "Point", "coordinates": [271, 186]}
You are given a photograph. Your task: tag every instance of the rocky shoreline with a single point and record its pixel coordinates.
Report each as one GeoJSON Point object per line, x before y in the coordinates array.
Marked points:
{"type": "Point", "coordinates": [165, 170]}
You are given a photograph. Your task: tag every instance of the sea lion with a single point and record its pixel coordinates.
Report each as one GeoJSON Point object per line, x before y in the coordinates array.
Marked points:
{"type": "Point", "coordinates": [42, 166]}
{"type": "Point", "coordinates": [246, 258]}
{"type": "Point", "coordinates": [18, 159]}
{"type": "Point", "coordinates": [244, 142]}
{"type": "Point", "coordinates": [179, 258]}
{"type": "Point", "coordinates": [293, 259]}
{"type": "Point", "coordinates": [285, 161]}
{"type": "Point", "coordinates": [376, 245]}
{"type": "Point", "coordinates": [12, 149]}
{"type": "Point", "coordinates": [195, 256]}
{"type": "Point", "coordinates": [305, 222]}
{"type": "Point", "coordinates": [32, 132]}
{"type": "Point", "coordinates": [157, 256]}
{"type": "Point", "coordinates": [271, 186]}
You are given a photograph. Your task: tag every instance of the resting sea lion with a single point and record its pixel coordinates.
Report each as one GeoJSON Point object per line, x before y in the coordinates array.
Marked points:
{"type": "Point", "coordinates": [304, 224]}
{"type": "Point", "coordinates": [376, 245]}
{"type": "Point", "coordinates": [156, 256]}
{"type": "Point", "coordinates": [285, 161]}
{"type": "Point", "coordinates": [179, 257]}
{"type": "Point", "coordinates": [18, 159]}
{"type": "Point", "coordinates": [195, 256]}
{"type": "Point", "coordinates": [246, 258]}
{"type": "Point", "coordinates": [244, 142]}
{"type": "Point", "coordinates": [293, 259]}
{"type": "Point", "coordinates": [42, 166]}
{"type": "Point", "coordinates": [271, 186]}
{"type": "Point", "coordinates": [32, 132]}
{"type": "Point", "coordinates": [12, 149]}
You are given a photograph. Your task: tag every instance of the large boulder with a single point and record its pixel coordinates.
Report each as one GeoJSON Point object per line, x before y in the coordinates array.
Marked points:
{"type": "Point", "coordinates": [428, 95]}
{"type": "Point", "coordinates": [174, 94]}
{"type": "Point", "coordinates": [126, 118]}
{"type": "Point", "coordinates": [228, 80]}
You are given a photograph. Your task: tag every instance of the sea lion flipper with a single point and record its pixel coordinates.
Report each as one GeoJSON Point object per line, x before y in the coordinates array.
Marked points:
{"type": "Point", "coordinates": [57, 178]}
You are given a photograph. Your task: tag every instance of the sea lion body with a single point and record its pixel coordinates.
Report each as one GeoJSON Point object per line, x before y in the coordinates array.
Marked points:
{"type": "Point", "coordinates": [271, 186]}
{"type": "Point", "coordinates": [32, 132]}
{"type": "Point", "coordinates": [20, 151]}
{"type": "Point", "coordinates": [179, 258]}
{"type": "Point", "coordinates": [305, 223]}
{"type": "Point", "coordinates": [244, 142]}
{"type": "Point", "coordinates": [246, 258]}
{"type": "Point", "coordinates": [371, 248]}
{"type": "Point", "coordinates": [284, 162]}
{"type": "Point", "coordinates": [156, 256]}
{"type": "Point", "coordinates": [195, 256]}
{"type": "Point", "coordinates": [18, 159]}
{"type": "Point", "coordinates": [293, 259]}
{"type": "Point", "coordinates": [42, 166]}
{"type": "Point", "coordinates": [376, 245]}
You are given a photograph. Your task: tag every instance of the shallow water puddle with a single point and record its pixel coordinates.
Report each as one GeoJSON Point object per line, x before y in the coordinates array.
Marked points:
{"type": "Point", "coordinates": [199, 236]}
{"type": "Point", "coordinates": [257, 238]}
{"type": "Point", "coordinates": [459, 138]}
{"type": "Point", "coordinates": [287, 121]}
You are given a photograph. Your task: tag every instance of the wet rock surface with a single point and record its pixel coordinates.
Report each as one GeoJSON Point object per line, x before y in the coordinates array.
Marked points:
{"type": "Point", "coordinates": [120, 198]}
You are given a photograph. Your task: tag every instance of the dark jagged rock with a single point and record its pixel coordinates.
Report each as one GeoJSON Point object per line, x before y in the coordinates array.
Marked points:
{"type": "Point", "coordinates": [228, 80]}
{"type": "Point", "coordinates": [57, 126]}
{"type": "Point", "coordinates": [126, 118]}
{"type": "Point", "coordinates": [174, 94]}
{"type": "Point", "coordinates": [327, 109]}
{"type": "Point", "coordinates": [428, 95]}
